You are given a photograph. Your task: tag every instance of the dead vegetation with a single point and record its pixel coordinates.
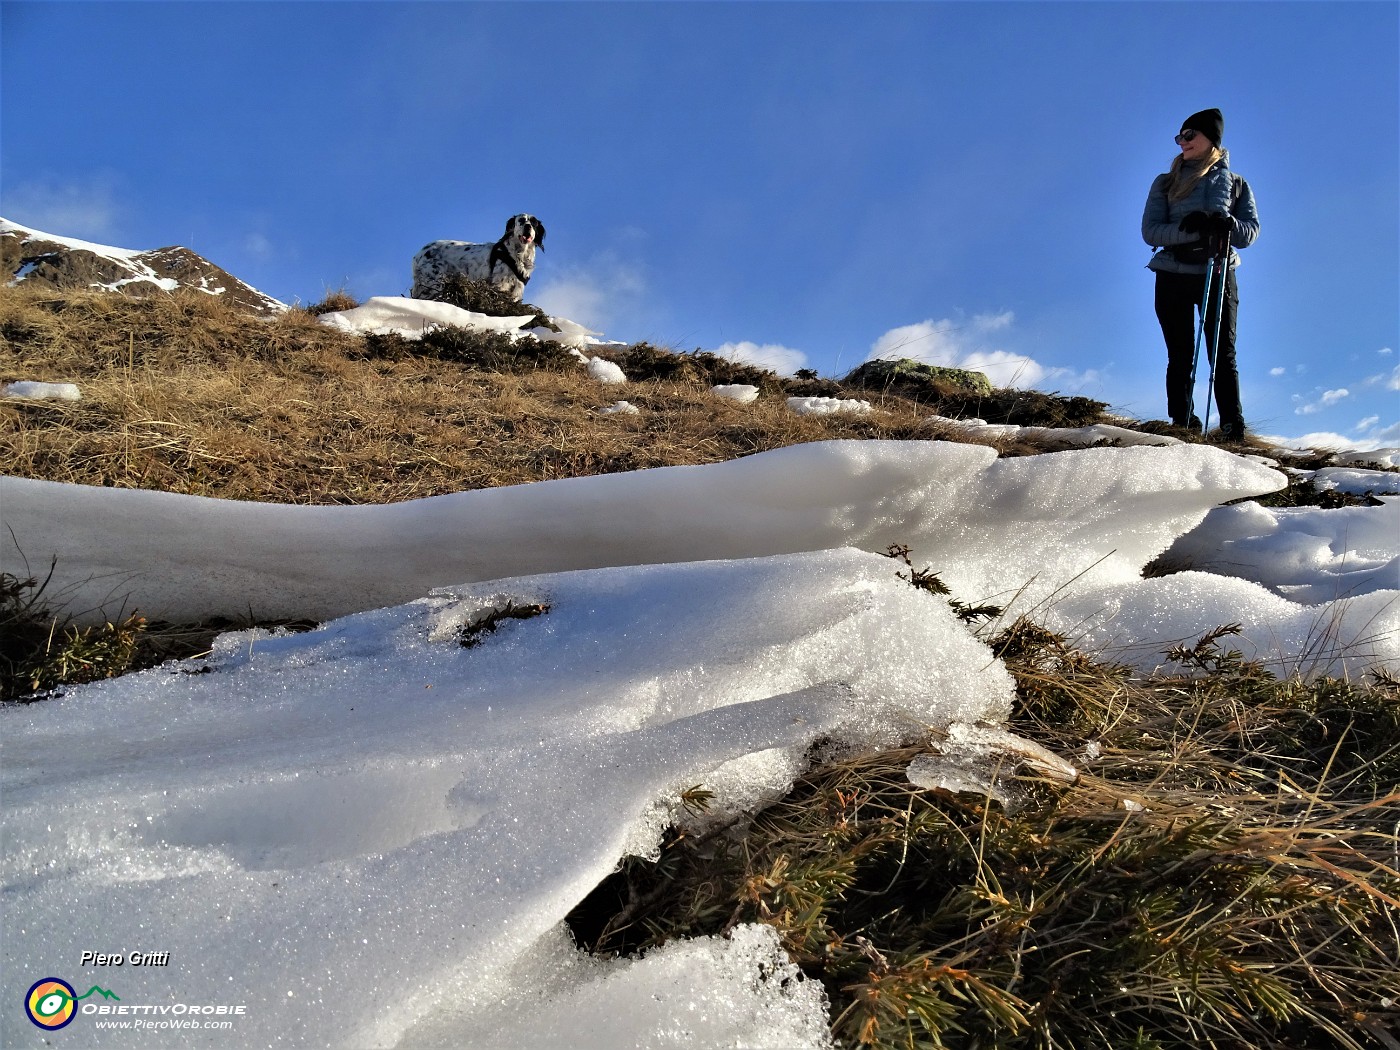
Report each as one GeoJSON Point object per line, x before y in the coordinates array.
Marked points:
{"type": "Point", "coordinates": [183, 394]}
{"type": "Point", "coordinates": [1223, 873]}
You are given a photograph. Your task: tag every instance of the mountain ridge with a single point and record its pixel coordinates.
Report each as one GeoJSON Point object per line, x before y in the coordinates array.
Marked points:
{"type": "Point", "coordinates": [33, 257]}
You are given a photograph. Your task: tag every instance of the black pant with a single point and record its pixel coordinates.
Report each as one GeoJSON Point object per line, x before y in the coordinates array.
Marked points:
{"type": "Point", "coordinates": [1178, 298]}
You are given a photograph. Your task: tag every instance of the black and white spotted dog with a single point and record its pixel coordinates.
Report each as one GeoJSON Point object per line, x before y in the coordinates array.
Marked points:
{"type": "Point", "coordinates": [505, 265]}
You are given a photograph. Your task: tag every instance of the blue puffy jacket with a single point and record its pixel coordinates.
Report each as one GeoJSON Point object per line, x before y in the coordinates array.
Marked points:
{"type": "Point", "coordinates": [1220, 191]}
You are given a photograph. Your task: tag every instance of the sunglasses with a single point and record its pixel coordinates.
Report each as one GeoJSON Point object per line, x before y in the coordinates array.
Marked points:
{"type": "Point", "coordinates": [1186, 136]}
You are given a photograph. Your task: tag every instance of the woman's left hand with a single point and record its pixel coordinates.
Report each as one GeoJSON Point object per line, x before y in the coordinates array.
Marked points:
{"type": "Point", "coordinates": [1196, 222]}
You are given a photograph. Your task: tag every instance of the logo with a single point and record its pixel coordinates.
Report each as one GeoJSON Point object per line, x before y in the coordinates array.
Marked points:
{"type": "Point", "coordinates": [52, 1003]}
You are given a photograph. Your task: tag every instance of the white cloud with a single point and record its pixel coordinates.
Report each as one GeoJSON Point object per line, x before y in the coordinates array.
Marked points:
{"type": "Point", "coordinates": [1327, 400]}
{"type": "Point", "coordinates": [993, 322]}
{"type": "Point", "coordinates": [781, 359]}
{"type": "Point", "coordinates": [594, 296]}
{"type": "Point", "coordinates": [971, 344]}
{"type": "Point", "coordinates": [1313, 439]}
{"type": "Point", "coordinates": [1368, 434]}
{"type": "Point", "coordinates": [1278, 371]}
{"type": "Point", "coordinates": [1385, 350]}
{"type": "Point", "coordinates": [258, 245]}
{"type": "Point", "coordinates": [933, 342]}
{"type": "Point", "coordinates": [1386, 437]}
{"type": "Point", "coordinates": [1006, 369]}
{"type": "Point", "coordinates": [81, 208]}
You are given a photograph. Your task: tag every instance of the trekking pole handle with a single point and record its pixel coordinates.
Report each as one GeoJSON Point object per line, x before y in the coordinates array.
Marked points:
{"type": "Point", "coordinates": [1221, 228]}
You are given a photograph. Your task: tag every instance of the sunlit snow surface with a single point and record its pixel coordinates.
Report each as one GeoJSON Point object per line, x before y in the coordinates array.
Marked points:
{"type": "Point", "coordinates": [333, 828]}
{"type": "Point", "coordinates": [410, 318]}
{"type": "Point", "coordinates": [368, 835]}
{"type": "Point", "coordinates": [29, 389]}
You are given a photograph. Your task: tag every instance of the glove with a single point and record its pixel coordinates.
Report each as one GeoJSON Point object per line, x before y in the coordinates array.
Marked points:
{"type": "Point", "coordinates": [1218, 231]}
{"type": "Point", "coordinates": [1196, 222]}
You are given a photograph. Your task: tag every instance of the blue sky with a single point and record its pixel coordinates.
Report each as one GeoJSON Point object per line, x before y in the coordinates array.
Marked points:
{"type": "Point", "coordinates": [810, 181]}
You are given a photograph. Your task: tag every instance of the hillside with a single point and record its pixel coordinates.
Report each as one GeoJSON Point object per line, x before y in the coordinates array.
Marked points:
{"type": "Point", "coordinates": [185, 392]}
{"type": "Point", "coordinates": [721, 761]}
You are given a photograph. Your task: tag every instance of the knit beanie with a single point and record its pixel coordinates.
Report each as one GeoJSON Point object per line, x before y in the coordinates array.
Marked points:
{"type": "Point", "coordinates": [1209, 122]}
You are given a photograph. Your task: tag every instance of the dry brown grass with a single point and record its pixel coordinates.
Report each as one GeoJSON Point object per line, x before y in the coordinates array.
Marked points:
{"type": "Point", "coordinates": [183, 394]}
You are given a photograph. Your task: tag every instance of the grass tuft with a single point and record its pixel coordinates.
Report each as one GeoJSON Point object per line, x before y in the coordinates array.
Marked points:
{"type": "Point", "coordinates": [481, 298]}
{"type": "Point", "coordinates": [927, 580]}
{"type": "Point", "coordinates": [1303, 492]}
{"type": "Point", "coordinates": [41, 651]}
{"type": "Point", "coordinates": [473, 634]}
{"type": "Point", "coordinates": [334, 302]}
{"type": "Point", "coordinates": [1182, 892]}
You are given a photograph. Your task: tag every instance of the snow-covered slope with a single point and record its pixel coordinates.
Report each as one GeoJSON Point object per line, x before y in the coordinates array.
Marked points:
{"type": "Point", "coordinates": [34, 257]}
{"type": "Point", "coordinates": [368, 835]}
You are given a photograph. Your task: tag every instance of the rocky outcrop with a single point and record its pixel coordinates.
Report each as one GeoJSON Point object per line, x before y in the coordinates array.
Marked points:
{"type": "Point", "coordinates": [906, 373]}
{"type": "Point", "coordinates": [31, 257]}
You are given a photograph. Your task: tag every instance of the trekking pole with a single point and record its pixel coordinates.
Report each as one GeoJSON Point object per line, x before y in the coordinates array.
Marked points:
{"type": "Point", "coordinates": [1196, 358]}
{"type": "Point", "coordinates": [1223, 271]}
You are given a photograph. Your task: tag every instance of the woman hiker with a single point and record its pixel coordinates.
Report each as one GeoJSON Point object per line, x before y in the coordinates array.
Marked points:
{"type": "Point", "coordinates": [1197, 206]}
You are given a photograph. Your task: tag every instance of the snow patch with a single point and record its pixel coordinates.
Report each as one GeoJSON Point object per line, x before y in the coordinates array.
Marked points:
{"type": "Point", "coordinates": [741, 392]}
{"type": "Point", "coordinates": [30, 389]}
{"type": "Point", "coordinates": [605, 371]}
{"type": "Point", "coordinates": [828, 406]}
{"type": "Point", "coordinates": [410, 318]}
{"type": "Point", "coordinates": [1053, 438]}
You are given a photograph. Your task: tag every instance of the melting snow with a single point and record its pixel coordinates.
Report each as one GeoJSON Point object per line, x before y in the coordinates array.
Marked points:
{"type": "Point", "coordinates": [369, 834]}
{"type": "Point", "coordinates": [825, 406]}
{"type": "Point", "coordinates": [39, 391]}
{"type": "Point", "coordinates": [741, 392]}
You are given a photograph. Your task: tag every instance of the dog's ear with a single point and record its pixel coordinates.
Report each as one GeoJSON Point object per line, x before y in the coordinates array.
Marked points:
{"type": "Point", "coordinates": [510, 226]}
{"type": "Point", "coordinates": [539, 231]}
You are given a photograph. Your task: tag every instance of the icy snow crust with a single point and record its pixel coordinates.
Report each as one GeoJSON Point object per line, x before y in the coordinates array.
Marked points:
{"type": "Point", "coordinates": [1062, 537]}
{"type": "Point", "coordinates": [1302, 553]}
{"type": "Point", "coordinates": [368, 835]}
{"type": "Point", "coordinates": [350, 820]}
{"type": "Point", "coordinates": [981, 520]}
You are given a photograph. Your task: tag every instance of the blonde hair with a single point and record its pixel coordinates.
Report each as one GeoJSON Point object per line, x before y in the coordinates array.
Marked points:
{"type": "Point", "coordinates": [1185, 174]}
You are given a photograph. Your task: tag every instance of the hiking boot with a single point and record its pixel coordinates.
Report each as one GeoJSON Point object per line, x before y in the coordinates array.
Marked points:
{"type": "Point", "coordinates": [1232, 431]}
{"type": "Point", "coordinates": [1194, 424]}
